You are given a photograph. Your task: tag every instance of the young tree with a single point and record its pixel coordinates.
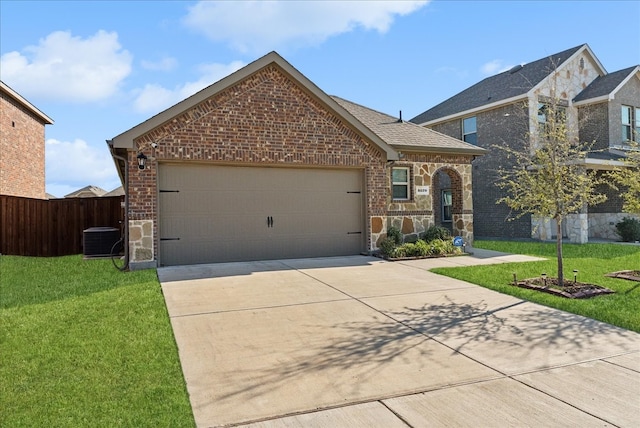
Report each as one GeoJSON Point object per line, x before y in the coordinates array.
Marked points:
{"type": "Point", "coordinates": [546, 175]}
{"type": "Point", "coordinates": [628, 179]}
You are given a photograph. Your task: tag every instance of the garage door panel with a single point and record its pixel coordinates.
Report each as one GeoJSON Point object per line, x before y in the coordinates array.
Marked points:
{"type": "Point", "coordinates": [220, 213]}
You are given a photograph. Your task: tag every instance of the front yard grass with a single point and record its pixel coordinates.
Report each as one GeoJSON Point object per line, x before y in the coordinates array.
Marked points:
{"type": "Point", "coordinates": [593, 262]}
{"type": "Point", "coordinates": [82, 344]}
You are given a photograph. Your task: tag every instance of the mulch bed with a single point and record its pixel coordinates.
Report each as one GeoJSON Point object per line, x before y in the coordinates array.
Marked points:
{"type": "Point", "coordinates": [570, 290]}
{"type": "Point", "coordinates": [631, 275]}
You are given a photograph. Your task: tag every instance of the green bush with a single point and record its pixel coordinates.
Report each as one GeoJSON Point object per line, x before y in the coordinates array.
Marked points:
{"type": "Point", "coordinates": [436, 232]}
{"type": "Point", "coordinates": [395, 234]}
{"type": "Point", "coordinates": [629, 229]}
{"type": "Point", "coordinates": [422, 248]}
{"type": "Point", "coordinates": [388, 246]}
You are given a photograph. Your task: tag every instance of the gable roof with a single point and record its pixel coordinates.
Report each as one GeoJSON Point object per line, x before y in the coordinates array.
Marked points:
{"type": "Point", "coordinates": [605, 87]}
{"type": "Point", "coordinates": [20, 99]}
{"type": "Point", "coordinates": [86, 192]}
{"type": "Point", "coordinates": [506, 86]}
{"type": "Point", "coordinates": [405, 135]}
{"type": "Point", "coordinates": [126, 139]}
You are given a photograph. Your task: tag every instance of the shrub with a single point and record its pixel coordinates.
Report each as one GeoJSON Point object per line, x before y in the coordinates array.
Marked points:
{"type": "Point", "coordinates": [388, 246]}
{"type": "Point", "coordinates": [422, 248]}
{"type": "Point", "coordinates": [436, 232]}
{"type": "Point", "coordinates": [629, 229]}
{"type": "Point", "coordinates": [410, 249]}
{"type": "Point", "coordinates": [395, 234]}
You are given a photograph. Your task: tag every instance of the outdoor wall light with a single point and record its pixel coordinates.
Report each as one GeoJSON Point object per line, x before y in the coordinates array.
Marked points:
{"type": "Point", "coordinates": [142, 160]}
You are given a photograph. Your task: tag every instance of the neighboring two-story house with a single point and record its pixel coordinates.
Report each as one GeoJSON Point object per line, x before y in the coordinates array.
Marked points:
{"type": "Point", "coordinates": [603, 108]}
{"type": "Point", "coordinates": [22, 141]}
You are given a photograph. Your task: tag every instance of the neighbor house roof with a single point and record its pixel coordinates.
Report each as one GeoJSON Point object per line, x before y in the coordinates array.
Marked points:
{"type": "Point", "coordinates": [118, 191]}
{"type": "Point", "coordinates": [126, 139]}
{"type": "Point", "coordinates": [405, 135]}
{"type": "Point", "coordinates": [507, 86]}
{"type": "Point", "coordinates": [86, 192]}
{"type": "Point", "coordinates": [605, 87]}
{"type": "Point", "coordinates": [20, 99]}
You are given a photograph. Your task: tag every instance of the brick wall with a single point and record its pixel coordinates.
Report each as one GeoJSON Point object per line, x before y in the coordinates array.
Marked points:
{"type": "Point", "coordinates": [503, 126]}
{"type": "Point", "coordinates": [22, 166]}
{"type": "Point", "coordinates": [594, 126]}
{"type": "Point", "coordinates": [266, 119]}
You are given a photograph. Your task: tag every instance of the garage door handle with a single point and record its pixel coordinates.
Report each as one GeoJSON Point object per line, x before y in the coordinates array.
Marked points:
{"type": "Point", "coordinates": [269, 221]}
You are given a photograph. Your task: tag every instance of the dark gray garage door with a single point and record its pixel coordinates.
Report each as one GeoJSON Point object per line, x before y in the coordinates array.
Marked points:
{"type": "Point", "coordinates": [214, 214]}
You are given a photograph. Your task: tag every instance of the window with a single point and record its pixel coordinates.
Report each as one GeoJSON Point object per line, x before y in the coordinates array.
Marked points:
{"type": "Point", "coordinates": [630, 124]}
{"type": "Point", "coordinates": [544, 112]}
{"type": "Point", "coordinates": [447, 203]}
{"type": "Point", "coordinates": [469, 130]}
{"type": "Point", "coordinates": [400, 183]}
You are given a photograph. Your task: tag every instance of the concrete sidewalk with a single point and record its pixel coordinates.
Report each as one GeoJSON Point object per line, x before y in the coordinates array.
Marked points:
{"type": "Point", "coordinates": [358, 341]}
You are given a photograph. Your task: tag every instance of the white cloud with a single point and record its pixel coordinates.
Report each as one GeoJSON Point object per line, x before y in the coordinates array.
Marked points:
{"type": "Point", "coordinates": [494, 67]}
{"type": "Point", "coordinates": [64, 67]}
{"type": "Point", "coordinates": [258, 26]}
{"type": "Point", "coordinates": [154, 98]}
{"type": "Point", "coordinates": [73, 165]}
{"type": "Point", "coordinates": [165, 64]}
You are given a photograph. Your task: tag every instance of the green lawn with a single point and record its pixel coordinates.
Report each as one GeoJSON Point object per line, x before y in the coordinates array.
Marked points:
{"type": "Point", "coordinates": [82, 344]}
{"type": "Point", "coordinates": [592, 261]}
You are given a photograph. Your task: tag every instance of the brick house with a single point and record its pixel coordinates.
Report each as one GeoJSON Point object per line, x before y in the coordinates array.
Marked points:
{"type": "Point", "coordinates": [22, 137]}
{"type": "Point", "coordinates": [264, 165]}
{"type": "Point", "coordinates": [598, 104]}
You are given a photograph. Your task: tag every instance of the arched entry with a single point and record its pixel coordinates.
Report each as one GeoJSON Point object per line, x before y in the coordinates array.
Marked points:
{"type": "Point", "coordinates": [447, 199]}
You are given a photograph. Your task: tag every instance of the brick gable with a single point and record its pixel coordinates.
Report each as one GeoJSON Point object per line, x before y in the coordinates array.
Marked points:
{"type": "Point", "coordinates": [265, 119]}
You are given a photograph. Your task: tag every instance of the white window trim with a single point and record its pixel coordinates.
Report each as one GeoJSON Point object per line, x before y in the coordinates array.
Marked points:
{"type": "Point", "coordinates": [401, 183]}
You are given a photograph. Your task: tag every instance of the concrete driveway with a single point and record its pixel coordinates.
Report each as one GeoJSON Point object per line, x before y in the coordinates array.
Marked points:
{"type": "Point", "coordinates": [361, 342]}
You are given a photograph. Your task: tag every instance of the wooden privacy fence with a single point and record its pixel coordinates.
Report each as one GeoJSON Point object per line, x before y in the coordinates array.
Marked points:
{"type": "Point", "coordinates": [54, 227]}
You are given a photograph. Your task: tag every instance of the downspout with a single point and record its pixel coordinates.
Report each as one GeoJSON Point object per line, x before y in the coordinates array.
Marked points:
{"type": "Point", "coordinates": [126, 203]}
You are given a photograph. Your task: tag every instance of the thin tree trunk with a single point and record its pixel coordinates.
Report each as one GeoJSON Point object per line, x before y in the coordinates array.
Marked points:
{"type": "Point", "coordinates": [559, 252]}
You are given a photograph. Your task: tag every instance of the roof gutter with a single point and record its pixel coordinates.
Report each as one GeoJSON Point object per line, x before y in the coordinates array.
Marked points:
{"type": "Point", "coordinates": [483, 107]}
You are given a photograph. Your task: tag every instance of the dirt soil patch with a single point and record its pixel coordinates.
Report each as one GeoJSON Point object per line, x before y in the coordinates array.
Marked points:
{"type": "Point", "coordinates": [570, 289]}
{"type": "Point", "coordinates": [631, 275]}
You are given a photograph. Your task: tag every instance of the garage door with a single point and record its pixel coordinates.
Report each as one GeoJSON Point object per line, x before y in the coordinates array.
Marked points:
{"type": "Point", "coordinates": [212, 214]}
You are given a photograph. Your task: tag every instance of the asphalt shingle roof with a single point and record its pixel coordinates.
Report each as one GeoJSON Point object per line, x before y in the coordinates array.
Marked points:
{"type": "Point", "coordinates": [604, 85]}
{"type": "Point", "coordinates": [401, 134]}
{"type": "Point", "coordinates": [509, 84]}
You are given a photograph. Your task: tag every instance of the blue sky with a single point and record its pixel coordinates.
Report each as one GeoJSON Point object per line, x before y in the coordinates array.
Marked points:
{"type": "Point", "coordinates": [98, 68]}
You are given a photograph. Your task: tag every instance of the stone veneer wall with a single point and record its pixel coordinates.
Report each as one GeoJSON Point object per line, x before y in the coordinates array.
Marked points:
{"type": "Point", "coordinates": [266, 119]}
{"type": "Point", "coordinates": [603, 225]}
{"type": "Point", "coordinates": [141, 240]}
{"type": "Point", "coordinates": [416, 215]}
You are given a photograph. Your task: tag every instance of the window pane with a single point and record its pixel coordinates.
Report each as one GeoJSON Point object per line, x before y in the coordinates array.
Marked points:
{"type": "Point", "coordinates": [400, 192]}
{"type": "Point", "coordinates": [399, 175]}
{"type": "Point", "coordinates": [446, 206]}
{"type": "Point", "coordinates": [469, 125]}
{"type": "Point", "coordinates": [446, 197]}
{"type": "Point", "coordinates": [471, 139]}
{"type": "Point", "coordinates": [626, 115]}
{"type": "Point", "coordinates": [542, 113]}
